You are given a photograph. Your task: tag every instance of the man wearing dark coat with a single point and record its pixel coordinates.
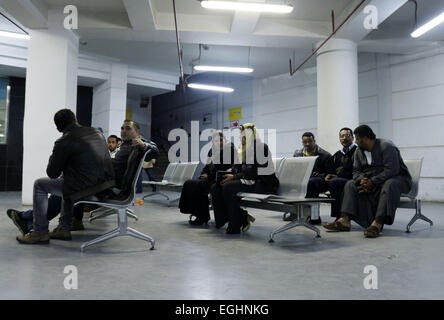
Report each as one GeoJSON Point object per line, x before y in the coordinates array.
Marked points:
{"type": "Point", "coordinates": [339, 171]}
{"type": "Point", "coordinates": [379, 178]}
{"type": "Point", "coordinates": [319, 172]}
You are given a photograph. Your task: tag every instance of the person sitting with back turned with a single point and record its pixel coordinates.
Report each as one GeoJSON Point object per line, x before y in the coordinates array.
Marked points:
{"type": "Point", "coordinates": [24, 220]}
{"type": "Point", "coordinates": [194, 196]}
{"type": "Point", "coordinates": [80, 166]}
{"type": "Point", "coordinates": [379, 178]}
{"type": "Point", "coordinates": [254, 173]}
{"type": "Point", "coordinates": [339, 171]}
{"type": "Point", "coordinates": [320, 168]}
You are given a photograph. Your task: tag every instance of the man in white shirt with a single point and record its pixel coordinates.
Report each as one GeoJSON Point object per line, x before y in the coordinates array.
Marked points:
{"type": "Point", "coordinates": [112, 146]}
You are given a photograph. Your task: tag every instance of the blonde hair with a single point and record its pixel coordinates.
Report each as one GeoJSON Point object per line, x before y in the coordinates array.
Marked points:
{"type": "Point", "coordinates": [250, 138]}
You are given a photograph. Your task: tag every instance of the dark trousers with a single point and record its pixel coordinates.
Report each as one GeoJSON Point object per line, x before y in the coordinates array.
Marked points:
{"type": "Point", "coordinates": [379, 205]}
{"type": "Point", "coordinates": [317, 185]}
{"type": "Point", "coordinates": [226, 204]}
{"type": "Point", "coordinates": [194, 198]}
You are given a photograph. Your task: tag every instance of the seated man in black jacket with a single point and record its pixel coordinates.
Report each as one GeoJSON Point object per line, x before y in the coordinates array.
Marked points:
{"type": "Point", "coordinates": [339, 169]}
{"type": "Point", "coordinates": [80, 166]}
{"type": "Point", "coordinates": [130, 132]}
{"type": "Point", "coordinates": [320, 169]}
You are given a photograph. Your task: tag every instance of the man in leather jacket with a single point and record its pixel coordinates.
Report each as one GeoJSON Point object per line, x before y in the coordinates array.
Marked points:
{"type": "Point", "coordinates": [80, 166]}
{"type": "Point", "coordinates": [130, 132]}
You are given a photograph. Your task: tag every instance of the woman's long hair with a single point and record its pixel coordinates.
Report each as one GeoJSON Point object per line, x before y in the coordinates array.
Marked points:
{"type": "Point", "coordinates": [250, 132]}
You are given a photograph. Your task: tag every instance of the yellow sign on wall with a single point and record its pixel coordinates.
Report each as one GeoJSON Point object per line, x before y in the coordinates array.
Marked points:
{"type": "Point", "coordinates": [129, 114]}
{"type": "Point", "coordinates": [235, 114]}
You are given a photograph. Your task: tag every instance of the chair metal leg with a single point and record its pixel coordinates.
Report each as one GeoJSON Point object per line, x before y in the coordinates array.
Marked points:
{"type": "Point", "coordinates": [142, 236]}
{"type": "Point", "coordinates": [131, 215]}
{"type": "Point", "coordinates": [291, 225]}
{"type": "Point", "coordinates": [418, 215]}
{"type": "Point", "coordinates": [154, 193]}
{"type": "Point", "coordinates": [105, 213]}
{"type": "Point", "coordinates": [93, 212]}
{"type": "Point", "coordinates": [112, 234]}
{"type": "Point", "coordinates": [121, 230]}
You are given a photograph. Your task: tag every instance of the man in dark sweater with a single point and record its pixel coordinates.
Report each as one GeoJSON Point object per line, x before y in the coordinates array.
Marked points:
{"type": "Point", "coordinates": [340, 170]}
{"type": "Point", "coordinates": [316, 183]}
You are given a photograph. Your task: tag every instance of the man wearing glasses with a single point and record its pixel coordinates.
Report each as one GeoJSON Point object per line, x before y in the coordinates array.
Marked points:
{"type": "Point", "coordinates": [339, 169]}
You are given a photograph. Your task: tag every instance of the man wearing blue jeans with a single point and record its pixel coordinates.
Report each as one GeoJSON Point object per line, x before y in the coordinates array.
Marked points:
{"type": "Point", "coordinates": [24, 220]}
{"type": "Point", "coordinates": [130, 134]}
{"type": "Point", "coordinates": [80, 166]}
{"type": "Point", "coordinates": [340, 170]}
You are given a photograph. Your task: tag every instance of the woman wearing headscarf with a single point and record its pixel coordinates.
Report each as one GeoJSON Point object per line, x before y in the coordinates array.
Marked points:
{"type": "Point", "coordinates": [254, 173]}
{"type": "Point", "coordinates": [194, 196]}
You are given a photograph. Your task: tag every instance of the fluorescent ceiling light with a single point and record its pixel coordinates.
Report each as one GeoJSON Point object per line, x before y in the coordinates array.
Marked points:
{"type": "Point", "coordinates": [211, 88]}
{"type": "Point", "coordinates": [223, 69]}
{"type": "Point", "coordinates": [14, 35]}
{"type": "Point", "coordinates": [428, 26]}
{"type": "Point", "coordinates": [247, 6]}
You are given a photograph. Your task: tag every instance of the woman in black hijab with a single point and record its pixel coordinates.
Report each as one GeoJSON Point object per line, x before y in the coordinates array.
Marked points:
{"type": "Point", "coordinates": [194, 196]}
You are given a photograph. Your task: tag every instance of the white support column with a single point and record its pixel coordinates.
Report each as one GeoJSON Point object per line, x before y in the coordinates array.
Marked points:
{"type": "Point", "coordinates": [337, 80]}
{"type": "Point", "coordinates": [51, 85]}
{"type": "Point", "coordinates": [109, 101]}
{"type": "Point", "coordinates": [384, 82]}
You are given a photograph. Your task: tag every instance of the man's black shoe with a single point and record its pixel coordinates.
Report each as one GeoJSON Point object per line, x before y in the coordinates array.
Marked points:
{"type": "Point", "coordinates": [18, 221]}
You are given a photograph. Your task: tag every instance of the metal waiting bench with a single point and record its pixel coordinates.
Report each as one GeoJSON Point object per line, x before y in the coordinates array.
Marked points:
{"type": "Point", "coordinates": [293, 174]}
{"type": "Point", "coordinates": [410, 200]}
{"type": "Point", "coordinates": [175, 176]}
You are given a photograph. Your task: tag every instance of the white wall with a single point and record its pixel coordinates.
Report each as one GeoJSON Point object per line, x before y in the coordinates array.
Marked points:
{"type": "Point", "coordinates": [418, 116]}
{"type": "Point", "coordinates": [141, 115]}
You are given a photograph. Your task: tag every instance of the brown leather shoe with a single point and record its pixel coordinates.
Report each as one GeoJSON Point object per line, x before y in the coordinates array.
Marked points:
{"type": "Point", "coordinates": [60, 234]}
{"type": "Point", "coordinates": [34, 238]}
{"type": "Point", "coordinates": [372, 232]}
{"type": "Point", "coordinates": [336, 226]}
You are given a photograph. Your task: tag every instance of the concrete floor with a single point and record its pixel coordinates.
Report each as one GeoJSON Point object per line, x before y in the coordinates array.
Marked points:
{"type": "Point", "coordinates": [204, 263]}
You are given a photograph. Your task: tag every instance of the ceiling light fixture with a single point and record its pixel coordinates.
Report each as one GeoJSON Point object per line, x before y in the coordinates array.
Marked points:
{"type": "Point", "coordinates": [223, 69]}
{"type": "Point", "coordinates": [247, 6]}
{"type": "Point", "coordinates": [428, 26]}
{"type": "Point", "coordinates": [210, 88]}
{"type": "Point", "coordinates": [14, 35]}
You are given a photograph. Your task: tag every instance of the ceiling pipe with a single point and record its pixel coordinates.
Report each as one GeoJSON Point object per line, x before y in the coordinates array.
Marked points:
{"type": "Point", "coordinates": [292, 72]}
{"type": "Point", "coordinates": [179, 49]}
{"type": "Point", "coordinates": [24, 31]}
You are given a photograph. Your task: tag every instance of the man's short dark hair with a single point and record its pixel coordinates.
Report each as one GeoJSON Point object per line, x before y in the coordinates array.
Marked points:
{"type": "Point", "coordinates": [113, 136]}
{"type": "Point", "coordinates": [118, 139]}
{"type": "Point", "coordinates": [348, 129]}
{"type": "Point", "coordinates": [135, 124]}
{"type": "Point", "coordinates": [63, 118]}
{"type": "Point", "coordinates": [308, 135]}
{"type": "Point", "coordinates": [365, 131]}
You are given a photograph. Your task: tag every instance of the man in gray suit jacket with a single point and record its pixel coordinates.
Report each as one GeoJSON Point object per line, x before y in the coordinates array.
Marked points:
{"type": "Point", "coordinates": [379, 178]}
